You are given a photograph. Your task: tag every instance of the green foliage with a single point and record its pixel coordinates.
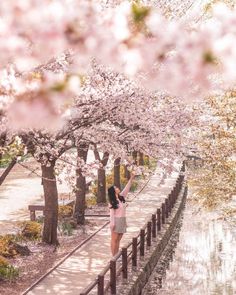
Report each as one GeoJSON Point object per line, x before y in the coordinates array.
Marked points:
{"type": "Point", "coordinates": [153, 164]}
{"type": "Point", "coordinates": [6, 159]}
{"type": "Point", "coordinates": [31, 230]}
{"type": "Point", "coordinates": [134, 186]}
{"type": "Point", "coordinates": [11, 151]}
{"type": "Point", "coordinates": [139, 13]}
{"type": "Point", "coordinates": [146, 161]}
{"type": "Point", "coordinates": [150, 163]}
{"type": "Point", "coordinates": [66, 228]}
{"type": "Point", "coordinates": [40, 219]}
{"type": "Point", "coordinates": [7, 271]}
{"type": "Point", "coordinates": [66, 223]}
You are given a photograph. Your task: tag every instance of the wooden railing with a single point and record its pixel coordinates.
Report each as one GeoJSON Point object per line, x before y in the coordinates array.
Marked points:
{"type": "Point", "coordinates": [137, 248]}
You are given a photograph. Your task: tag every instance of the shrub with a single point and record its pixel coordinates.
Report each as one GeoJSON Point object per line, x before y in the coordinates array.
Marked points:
{"type": "Point", "coordinates": [40, 219]}
{"type": "Point", "coordinates": [7, 271]}
{"type": "Point", "coordinates": [152, 164]}
{"type": "Point", "coordinates": [146, 160]}
{"type": "Point", "coordinates": [4, 246]}
{"type": "Point", "coordinates": [66, 228]}
{"type": "Point", "coordinates": [65, 211]}
{"type": "Point", "coordinates": [3, 261]}
{"type": "Point", "coordinates": [5, 249]}
{"type": "Point", "coordinates": [9, 246]}
{"type": "Point", "coordinates": [31, 230]}
{"type": "Point", "coordinates": [91, 201]}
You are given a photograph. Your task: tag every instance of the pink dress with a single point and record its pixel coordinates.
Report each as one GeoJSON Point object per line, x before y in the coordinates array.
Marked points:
{"type": "Point", "coordinates": [118, 216]}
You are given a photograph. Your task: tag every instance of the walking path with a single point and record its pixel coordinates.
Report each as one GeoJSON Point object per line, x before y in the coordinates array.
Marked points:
{"type": "Point", "coordinates": [22, 188]}
{"type": "Point", "coordinates": [80, 269]}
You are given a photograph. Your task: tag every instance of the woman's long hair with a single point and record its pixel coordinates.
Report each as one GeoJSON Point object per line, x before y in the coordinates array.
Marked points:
{"type": "Point", "coordinates": [112, 198]}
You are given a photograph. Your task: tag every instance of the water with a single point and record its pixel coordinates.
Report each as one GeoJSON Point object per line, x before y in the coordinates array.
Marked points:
{"type": "Point", "coordinates": [200, 258]}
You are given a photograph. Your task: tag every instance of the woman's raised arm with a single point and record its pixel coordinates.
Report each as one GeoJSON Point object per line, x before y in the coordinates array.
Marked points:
{"type": "Point", "coordinates": [125, 191]}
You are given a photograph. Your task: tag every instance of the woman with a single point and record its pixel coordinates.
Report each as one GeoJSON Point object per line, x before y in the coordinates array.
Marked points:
{"type": "Point", "coordinates": [118, 214]}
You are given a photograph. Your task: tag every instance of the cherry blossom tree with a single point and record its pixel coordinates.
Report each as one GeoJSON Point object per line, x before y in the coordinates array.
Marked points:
{"type": "Point", "coordinates": [79, 73]}
{"type": "Point", "coordinates": [127, 36]}
{"type": "Point", "coordinates": [214, 182]}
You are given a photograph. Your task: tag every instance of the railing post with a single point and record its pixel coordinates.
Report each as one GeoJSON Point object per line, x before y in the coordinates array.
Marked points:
{"type": "Point", "coordinates": [154, 226]}
{"type": "Point", "coordinates": [134, 251]}
{"type": "Point", "coordinates": [142, 242]}
{"type": "Point", "coordinates": [113, 276]}
{"type": "Point", "coordinates": [163, 210]}
{"type": "Point", "coordinates": [167, 208]}
{"type": "Point", "coordinates": [100, 284]}
{"type": "Point", "coordinates": [124, 263]}
{"type": "Point", "coordinates": [158, 219]}
{"type": "Point", "coordinates": [149, 233]}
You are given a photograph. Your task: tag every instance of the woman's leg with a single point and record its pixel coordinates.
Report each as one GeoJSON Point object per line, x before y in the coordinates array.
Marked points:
{"type": "Point", "coordinates": [119, 238]}
{"type": "Point", "coordinates": [114, 243]}
{"type": "Point", "coordinates": [118, 242]}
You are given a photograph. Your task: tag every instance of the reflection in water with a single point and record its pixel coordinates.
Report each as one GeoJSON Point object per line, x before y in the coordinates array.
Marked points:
{"type": "Point", "coordinates": [200, 258]}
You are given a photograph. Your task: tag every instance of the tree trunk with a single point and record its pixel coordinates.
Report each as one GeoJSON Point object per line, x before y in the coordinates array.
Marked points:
{"type": "Point", "coordinates": [51, 205]}
{"type": "Point", "coordinates": [80, 193]}
{"type": "Point", "coordinates": [101, 188]}
{"type": "Point", "coordinates": [127, 173]}
{"type": "Point", "coordinates": [141, 160]}
{"type": "Point", "coordinates": [117, 172]}
{"type": "Point", "coordinates": [7, 170]}
{"type": "Point", "coordinates": [135, 157]}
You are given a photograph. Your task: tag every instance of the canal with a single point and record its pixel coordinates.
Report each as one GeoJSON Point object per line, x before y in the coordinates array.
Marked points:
{"type": "Point", "coordinates": [200, 258]}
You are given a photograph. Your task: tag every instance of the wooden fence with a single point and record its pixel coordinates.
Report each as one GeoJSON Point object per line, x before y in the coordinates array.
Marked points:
{"type": "Point", "coordinates": [137, 248]}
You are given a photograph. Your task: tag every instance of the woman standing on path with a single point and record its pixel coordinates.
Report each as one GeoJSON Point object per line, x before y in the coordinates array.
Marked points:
{"type": "Point", "coordinates": [118, 214]}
